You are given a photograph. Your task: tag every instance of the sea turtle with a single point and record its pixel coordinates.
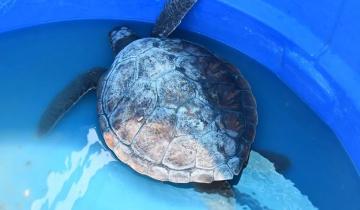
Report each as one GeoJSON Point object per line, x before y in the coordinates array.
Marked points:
{"type": "Point", "coordinates": [169, 108]}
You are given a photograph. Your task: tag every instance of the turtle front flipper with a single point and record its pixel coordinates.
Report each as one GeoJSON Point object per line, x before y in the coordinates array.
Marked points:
{"type": "Point", "coordinates": [171, 16]}
{"type": "Point", "coordinates": [217, 195]}
{"type": "Point", "coordinates": [67, 98]}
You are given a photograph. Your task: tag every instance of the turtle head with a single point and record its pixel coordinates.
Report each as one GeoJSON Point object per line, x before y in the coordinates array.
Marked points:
{"type": "Point", "coordinates": [120, 37]}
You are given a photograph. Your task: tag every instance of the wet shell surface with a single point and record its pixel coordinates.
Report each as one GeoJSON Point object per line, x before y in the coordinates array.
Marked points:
{"type": "Point", "coordinates": [173, 111]}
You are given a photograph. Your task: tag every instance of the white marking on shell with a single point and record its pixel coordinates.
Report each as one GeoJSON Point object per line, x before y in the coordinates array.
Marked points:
{"type": "Point", "coordinates": [120, 79]}
{"type": "Point", "coordinates": [181, 153]}
{"type": "Point", "coordinates": [210, 151]}
{"type": "Point", "coordinates": [174, 89]}
{"type": "Point", "coordinates": [194, 117]}
{"type": "Point", "coordinates": [159, 173]}
{"type": "Point", "coordinates": [136, 48]}
{"type": "Point", "coordinates": [182, 47]}
{"type": "Point", "coordinates": [192, 66]}
{"type": "Point", "coordinates": [139, 102]}
{"type": "Point", "coordinates": [136, 104]}
{"type": "Point", "coordinates": [173, 46]}
{"type": "Point", "coordinates": [232, 133]}
{"type": "Point", "coordinates": [138, 164]}
{"type": "Point", "coordinates": [122, 152]}
{"type": "Point", "coordinates": [194, 49]}
{"type": "Point", "coordinates": [222, 173]}
{"type": "Point", "coordinates": [179, 176]}
{"type": "Point", "coordinates": [228, 144]}
{"type": "Point", "coordinates": [234, 165]}
{"type": "Point", "coordinates": [154, 137]}
{"type": "Point", "coordinates": [202, 176]}
{"type": "Point", "coordinates": [126, 131]}
{"type": "Point", "coordinates": [233, 123]}
{"type": "Point", "coordinates": [155, 63]}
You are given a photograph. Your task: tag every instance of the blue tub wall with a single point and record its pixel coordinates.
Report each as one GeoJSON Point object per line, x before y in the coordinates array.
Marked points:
{"type": "Point", "coordinates": [312, 46]}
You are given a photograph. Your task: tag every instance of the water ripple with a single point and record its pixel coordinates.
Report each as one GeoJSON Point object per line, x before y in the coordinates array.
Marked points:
{"type": "Point", "coordinates": [57, 180]}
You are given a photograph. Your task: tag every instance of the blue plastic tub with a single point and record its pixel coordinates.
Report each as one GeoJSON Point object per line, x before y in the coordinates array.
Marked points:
{"type": "Point", "coordinates": [312, 46]}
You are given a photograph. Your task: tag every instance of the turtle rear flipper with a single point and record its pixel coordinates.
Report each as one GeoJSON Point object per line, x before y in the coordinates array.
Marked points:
{"type": "Point", "coordinates": [171, 16]}
{"type": "Point", "coordinates": [67, 98]}
{"type": "Point", "coordinates": [223, 189]}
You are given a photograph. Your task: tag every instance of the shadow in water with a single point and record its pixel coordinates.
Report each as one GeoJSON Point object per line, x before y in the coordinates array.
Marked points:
{"type": "Point", "coordinates": [243, 199]}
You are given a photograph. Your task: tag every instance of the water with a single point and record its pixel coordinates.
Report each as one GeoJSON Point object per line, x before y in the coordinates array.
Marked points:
{"type": "Point", "coordinates": [73, 169]}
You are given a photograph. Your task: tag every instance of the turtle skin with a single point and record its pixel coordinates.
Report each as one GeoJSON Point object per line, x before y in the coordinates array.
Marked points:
{"type": "Point", "coordinates": [175, 112]}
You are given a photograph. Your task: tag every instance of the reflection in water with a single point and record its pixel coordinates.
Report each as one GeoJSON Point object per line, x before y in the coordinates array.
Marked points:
{"type": "Point", "coordinates": [26, 193]}
{"type": "Point", "coordinates": [57, 180]}
{"type": "Point", "coordinates": [216, 202]}
{"type": "Point", "coordinates": [245, 201]}
{"type": "Point", "coordinates": [260, 187]}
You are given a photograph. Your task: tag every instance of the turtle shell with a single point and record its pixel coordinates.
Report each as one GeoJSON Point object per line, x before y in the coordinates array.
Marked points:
{"type": "Point", "coordinates": [173, 111]}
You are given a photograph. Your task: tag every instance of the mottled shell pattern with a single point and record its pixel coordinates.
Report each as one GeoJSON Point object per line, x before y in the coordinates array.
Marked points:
{"type": "Point", "coordinates": [173, 111]}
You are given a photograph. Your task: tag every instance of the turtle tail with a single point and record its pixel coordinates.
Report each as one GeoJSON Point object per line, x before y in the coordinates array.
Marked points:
{"type": "Point", "coordinates": [68, 97]}
{"type": "Point", "coordinates": [217, 195]}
